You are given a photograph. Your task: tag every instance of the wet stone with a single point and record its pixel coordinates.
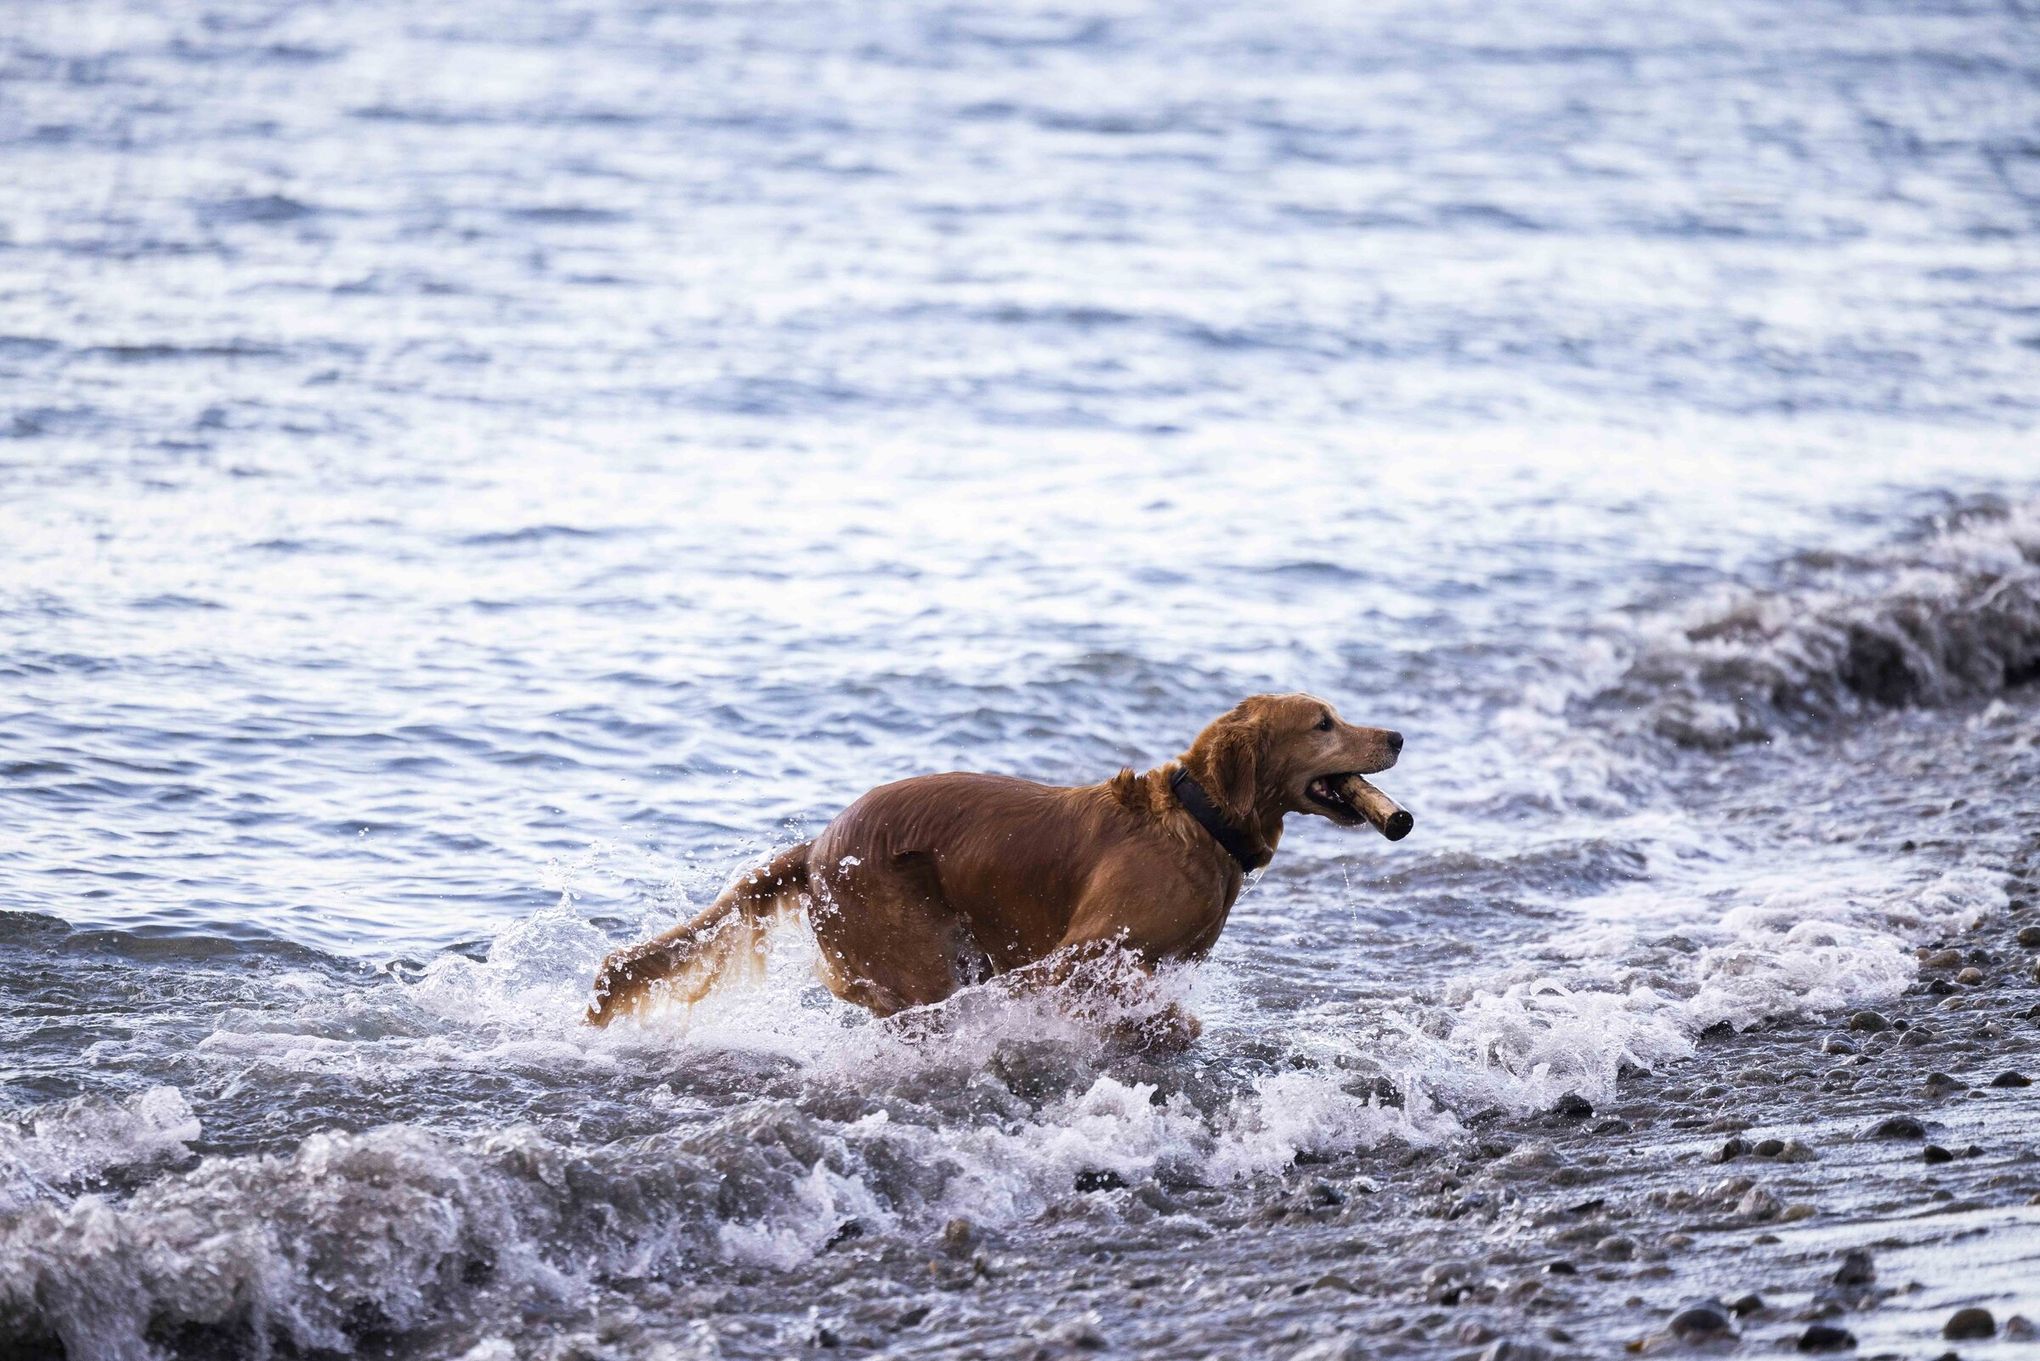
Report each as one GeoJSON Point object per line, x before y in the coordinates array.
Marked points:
{"type": "Point", "coordinates": [1970, 976]}
{"type": "Point", "coordinates": [1616, 1248]}
{"type": "Point", "coordinates": [2009, 1078]}
{"type": "Point", "coordinates": [1769, 1148]}
{"type": "Point", "coordinates": [1508, 1349]}
{"type": "Point", "coordinates": [1941, 959]}
{"type": "Point", "coordinates": [1759, 1203]}
{"type": "Point", "coordinates": [1869, 1021]}
{"type": "Point", "coordinates": [1703, 1320]}
{"type": "Point", "coordinates": [1825, 1337]}
{"type": "Point", "coordinates": [1083, 1337]}
{"type": "Point", "coordinates": [1747, 1305]}
{"type": "Point", "coordinates": [1934, 1153]}
{"type": "Point", "coordinates": [1856, 1269]}
{"type": "Point", "coordinates": [1940, 1084]}
{"type": "Point", "coordinates": [1835, 1044]}
{"type": "Point", "coordinates": [1099, 1180]}
{"type": "Point", "coordinates": [2029, 936]}
{"type": "Point", "coordinates": [1966, 1325]}
{"type": "Point", "coordinates": [1899, 1127]}
{"type": "Point", "coordinates": [1573, 1106]}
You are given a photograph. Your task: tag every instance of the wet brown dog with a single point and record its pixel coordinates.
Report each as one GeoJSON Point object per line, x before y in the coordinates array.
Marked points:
{"type": "Point", "coordinates": [922, 887]}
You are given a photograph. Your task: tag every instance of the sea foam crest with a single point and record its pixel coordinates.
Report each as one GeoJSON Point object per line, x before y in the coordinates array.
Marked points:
{"type": "Point", "coordinates": [64, 1145]}
{"type": "Point", "coordinates": [1948, 616]}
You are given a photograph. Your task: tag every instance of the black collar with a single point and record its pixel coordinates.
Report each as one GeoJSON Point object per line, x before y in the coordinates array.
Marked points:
{"type": "Point", "coordinates": [1198, 804]}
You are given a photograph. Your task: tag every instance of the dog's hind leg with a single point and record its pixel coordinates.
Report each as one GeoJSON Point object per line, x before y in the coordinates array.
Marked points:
{"type": "Point", "coordinates": [684, 963]}
{"type": "Point", "coordinates": [889, 940]}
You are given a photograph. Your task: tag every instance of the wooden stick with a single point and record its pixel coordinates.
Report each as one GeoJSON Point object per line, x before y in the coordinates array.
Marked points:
{"type": "Point", "coordinates": [1390, 818]}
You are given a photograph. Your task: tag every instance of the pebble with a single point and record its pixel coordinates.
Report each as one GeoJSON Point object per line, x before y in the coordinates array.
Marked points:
{"type": "Point", "coordinates": [1940, 959]}
{"type": "Point", "coordinates": [1835, 1044]}
{"type": "Point", "coordinates": [1616, 1248]}
{"type": "Point", "coordinates": [1099, 1180]}
{"type": "Point", "coordinates": [1940, 1084]}
{"type": "Point", "coordinates": [1868, 1021]}
{"type": "Point", "coordinates": [1918, 1036]}
{"type": "Point", "coordinates": [1507, 1350]}
{"type": "Point", "coordinates": [1706, 1319]}
{"type": "Point", "coordinates": [1573, 1106]}
{"type": "Point", "coordinates": [2029, 936]}
{"type": "Point", "coordinates": [1966, 1325]}
{"type": "Point", "coordinates": [1971, 976]}
{"type": "Point", "coordinates": [1934, 1153]}
{"type": "Point", "coordinates": [1899, 1127]}
{"type": "Point", "coordinates": [1856, 1269]}
{"type": "Point", "coordinates": [1081, 1336]}
{"type": "Point", "coordinates": [1823, 1337]}
{"type": "Point", "coordinates": [1769, 1148]}
{"type": "Point", "coordinates": [2021, 1329]}
{"type": "Point", "coordinates": [1759, 1204]}
{"type": "Point", "coordinates": [2008, 1078]}
{"type": "Point", "coordinates": [1747, 1305]}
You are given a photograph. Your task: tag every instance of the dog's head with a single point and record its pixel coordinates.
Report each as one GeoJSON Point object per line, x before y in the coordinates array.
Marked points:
{"type": "Point", "coordinates": [1277, 754]}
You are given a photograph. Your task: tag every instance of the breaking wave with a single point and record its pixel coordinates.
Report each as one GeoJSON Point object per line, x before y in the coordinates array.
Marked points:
{"type": "Point", "coordinates": [1009, 1111]}
{"type": "Point", "coordinates": [1950, 616]}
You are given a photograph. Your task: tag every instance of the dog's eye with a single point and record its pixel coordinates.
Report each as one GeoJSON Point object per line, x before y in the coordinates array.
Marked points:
{"type": "Point", "coordinates": [1325, 724]}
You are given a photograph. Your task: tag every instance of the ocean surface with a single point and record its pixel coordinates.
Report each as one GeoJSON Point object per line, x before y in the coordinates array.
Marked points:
{"type": "Point", "coordinates": [474, 478]}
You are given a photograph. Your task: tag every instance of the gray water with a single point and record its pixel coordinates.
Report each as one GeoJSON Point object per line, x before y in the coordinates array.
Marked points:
{"type": "Point", "coordinates": [474, 478]}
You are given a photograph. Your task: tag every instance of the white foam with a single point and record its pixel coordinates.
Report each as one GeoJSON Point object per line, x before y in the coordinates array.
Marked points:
{"type": "Point", "coordinates": [1951, 616]}
{"type": "Point", "coordinates": [74, 1141]}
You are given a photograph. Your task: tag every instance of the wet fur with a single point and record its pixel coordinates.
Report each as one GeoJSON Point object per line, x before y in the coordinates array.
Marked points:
{"type": "Point", "coordinates": [934, 883]}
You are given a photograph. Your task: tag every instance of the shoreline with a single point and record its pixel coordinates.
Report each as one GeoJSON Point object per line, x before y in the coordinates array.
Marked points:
{"type": "Point", "coordinates": [1579, 1232]}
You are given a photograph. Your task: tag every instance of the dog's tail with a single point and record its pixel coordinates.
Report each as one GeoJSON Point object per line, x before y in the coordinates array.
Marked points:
{"type": "Point", "coordinates": [684, 963]}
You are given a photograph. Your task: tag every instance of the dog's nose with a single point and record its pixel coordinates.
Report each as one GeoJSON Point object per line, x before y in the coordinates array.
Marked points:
{"type": "Point", "coordinates": [1394, 740]}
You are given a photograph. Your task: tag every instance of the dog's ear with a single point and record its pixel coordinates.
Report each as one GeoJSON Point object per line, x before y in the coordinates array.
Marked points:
{"type": "Point", "coordinates": [1234, 761]}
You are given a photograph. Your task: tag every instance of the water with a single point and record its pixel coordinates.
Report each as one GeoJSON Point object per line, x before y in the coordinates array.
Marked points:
{"type": "Point", "coordinates": [475, 481]}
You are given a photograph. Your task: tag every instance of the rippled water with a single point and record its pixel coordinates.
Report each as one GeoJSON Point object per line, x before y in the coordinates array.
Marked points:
{"type": "Point", "coordinates": [475, 480]}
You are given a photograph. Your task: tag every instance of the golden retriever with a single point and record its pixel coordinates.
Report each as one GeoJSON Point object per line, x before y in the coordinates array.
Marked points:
{"type": "Point", "coordinates": [937, 882]}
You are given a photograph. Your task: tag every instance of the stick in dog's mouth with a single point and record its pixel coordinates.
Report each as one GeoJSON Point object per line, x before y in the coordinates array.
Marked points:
{"type": "Point", "coordinates": [1390, 818]}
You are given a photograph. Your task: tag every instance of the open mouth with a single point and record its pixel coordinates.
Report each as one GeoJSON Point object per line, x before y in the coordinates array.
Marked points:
{"type": "Point", "coordinates": [1327, 791]}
